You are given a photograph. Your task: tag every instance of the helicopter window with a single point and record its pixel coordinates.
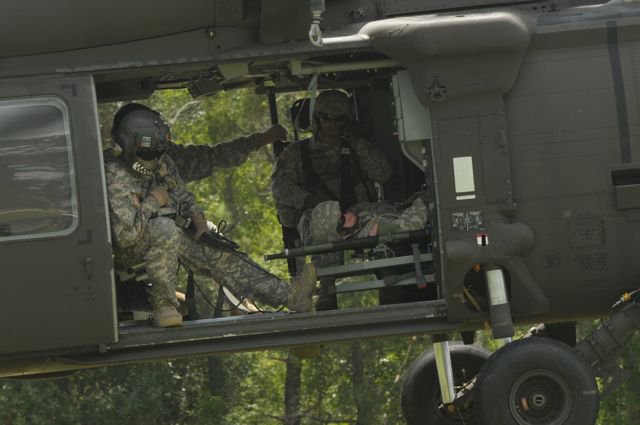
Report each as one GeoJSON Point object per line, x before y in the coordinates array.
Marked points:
{"type": "Point", "coordinates": [38, 193]}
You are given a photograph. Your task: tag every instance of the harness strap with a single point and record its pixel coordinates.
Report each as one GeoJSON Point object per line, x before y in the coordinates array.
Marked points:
{"type": "Point", "coordinates": [311, 178]}
{"type": "Point", "coordinates": [348, 162]}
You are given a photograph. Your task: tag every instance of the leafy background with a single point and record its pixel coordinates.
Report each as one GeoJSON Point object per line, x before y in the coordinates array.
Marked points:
{"type": "Point", "coordinates": [348, 383]}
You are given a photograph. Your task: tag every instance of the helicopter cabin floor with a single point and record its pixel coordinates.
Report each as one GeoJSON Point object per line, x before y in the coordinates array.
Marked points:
{"type": "Point", "coordinates": [139, 340]}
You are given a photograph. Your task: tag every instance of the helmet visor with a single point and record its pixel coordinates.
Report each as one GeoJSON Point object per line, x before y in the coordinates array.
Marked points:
{"type": "Point", "coordinates": [150, 154]}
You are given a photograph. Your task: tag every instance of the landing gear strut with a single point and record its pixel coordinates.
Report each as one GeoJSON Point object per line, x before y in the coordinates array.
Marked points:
{"type": "Point", "coordinates": [422, 400]}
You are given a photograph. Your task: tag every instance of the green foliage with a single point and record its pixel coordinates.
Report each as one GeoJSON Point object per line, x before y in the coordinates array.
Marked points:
{"type": "Point", "coordinates": [154, 393]}
{"type": "Point", "coordinates": [623, 405]}
{"type": "Point", "coordinates": [209, 408]}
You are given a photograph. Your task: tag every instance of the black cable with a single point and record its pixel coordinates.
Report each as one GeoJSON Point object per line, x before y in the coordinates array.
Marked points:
{"type": "Point", "coordinates": [208, 301]}
{"type": "Point", "coordinates": [244, 258]}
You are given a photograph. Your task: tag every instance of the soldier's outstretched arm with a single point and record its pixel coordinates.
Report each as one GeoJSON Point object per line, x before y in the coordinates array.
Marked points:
{"type": "Point", "coordinates": [196, 162]}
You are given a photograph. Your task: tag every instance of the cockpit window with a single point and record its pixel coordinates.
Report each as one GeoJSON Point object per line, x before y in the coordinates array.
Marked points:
{"type": "Point", "coordinates": [37, 184]}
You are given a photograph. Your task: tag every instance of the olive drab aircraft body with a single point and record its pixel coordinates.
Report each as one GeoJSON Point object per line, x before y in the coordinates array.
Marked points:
{"type": "Point", "coordinates": [520, 121]}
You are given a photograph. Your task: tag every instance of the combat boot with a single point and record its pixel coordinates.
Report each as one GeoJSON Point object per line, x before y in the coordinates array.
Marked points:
{"type": "Point", "coordinates": [327, 298]}
{"type": "Point", "coordinates": [302, 288]}
{"type": "Point", "coordinates": [166, 316]}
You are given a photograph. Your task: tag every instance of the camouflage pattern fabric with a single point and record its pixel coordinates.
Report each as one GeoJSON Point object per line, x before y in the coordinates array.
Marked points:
{"type": "Point", "coordinates": [288, 178]}
{"type": "Point", "coordinates": [389, 218]}
{"type": "Point", "coordinates": [130, 205]}
{"type": "Point", "coordinates": [319, 225]}
{"type": "Point", "coordinates": [196, 162]}
{"type": "Point", "coordinates": [161, 262]}
{"type": "Point", "coordinates": [235, 271]}
{"type": "Point", "coordinates": [304, 227]}
{"type": "Point", "coordinates": [323, 222]}
{"type": "Point", "coordinates": [141, 235]}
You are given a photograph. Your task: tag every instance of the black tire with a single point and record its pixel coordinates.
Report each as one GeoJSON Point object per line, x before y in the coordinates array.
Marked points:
{"type": "Point", "coordinates": [421, 390]}
{"type": "Point", "coordinates": [536, 381]}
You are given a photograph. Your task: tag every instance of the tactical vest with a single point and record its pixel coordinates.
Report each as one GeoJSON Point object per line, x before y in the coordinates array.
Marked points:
{"type": "Point", "coordinates": [349, 165]}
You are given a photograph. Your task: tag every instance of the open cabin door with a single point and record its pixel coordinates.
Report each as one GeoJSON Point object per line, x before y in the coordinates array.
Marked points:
{"type": "Point", "coordinates": [55, 256]}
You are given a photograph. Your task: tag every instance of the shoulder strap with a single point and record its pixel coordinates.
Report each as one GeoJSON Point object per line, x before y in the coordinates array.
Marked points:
{"type": "Point", "coordinates": [307, 166]}
{"type": "Point", "coordinates": [350, 161]}
{"type": "Point", "coordinates": [312, 180]}
{"type": "Point", "coordinates": [347, 185]}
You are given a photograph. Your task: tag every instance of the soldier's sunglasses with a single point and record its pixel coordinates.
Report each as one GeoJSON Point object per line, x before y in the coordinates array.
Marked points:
{"type": "Point", "coordinates": [332, 117]}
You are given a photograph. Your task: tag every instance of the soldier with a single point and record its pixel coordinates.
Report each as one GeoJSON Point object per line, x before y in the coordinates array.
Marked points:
{"type": "Point", "coordinates": [149, 209]}
{"type": "Point", "coordinates": [331, 165]}
{"type": "Point", "coordinates": [327, 222]}
{"type": "Point", "coordinates": [196, 162]}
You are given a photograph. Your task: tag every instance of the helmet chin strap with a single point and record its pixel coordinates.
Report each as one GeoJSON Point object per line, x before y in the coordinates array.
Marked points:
{"type": "Point", "coordinates": [139, 168]}
{"type": "Point", "coordinates": [145, 168]}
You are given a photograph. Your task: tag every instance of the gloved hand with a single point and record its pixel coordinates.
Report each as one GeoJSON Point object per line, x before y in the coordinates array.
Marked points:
{"type": "Point", "coordinates": [200, 224]}
{"type": "Point", "coordinates": [273, 134]}
{"type": "Point", "coordinates": [161, 195]}
{"type": "Point", "coordinates": [314, 199]}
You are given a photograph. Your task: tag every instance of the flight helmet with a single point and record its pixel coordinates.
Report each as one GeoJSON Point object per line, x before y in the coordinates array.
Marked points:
{"type": "Point", "coordinates": [141, 133]}
{"type": "Point", "coordinates": [331, 104]}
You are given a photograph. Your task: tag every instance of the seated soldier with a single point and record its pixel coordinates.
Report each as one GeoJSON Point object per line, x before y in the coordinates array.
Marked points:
{"type": "Point", "coordinates": [333, 164]}
{"type": "Point", "coordinates": [150, 211]}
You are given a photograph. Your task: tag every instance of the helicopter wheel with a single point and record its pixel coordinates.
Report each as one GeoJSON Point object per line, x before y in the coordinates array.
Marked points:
{"type": "Point", "coordinates": [536, 381]}
{"type": "Point", "coordinates": [421, 398]}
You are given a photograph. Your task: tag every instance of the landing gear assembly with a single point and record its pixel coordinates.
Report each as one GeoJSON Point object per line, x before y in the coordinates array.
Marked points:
{"type": "Point", "coordinates": [536, 381]}
{"type": "Point", "coordinates": [532, 381]}
{"type": "Point", "coordinates": [421, 394]}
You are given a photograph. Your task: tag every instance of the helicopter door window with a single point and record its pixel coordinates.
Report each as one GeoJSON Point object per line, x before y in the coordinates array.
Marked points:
{"type": "Point", "coordinates": [37, 185]}
{"type": "Point", "coordinates": [463, 178]}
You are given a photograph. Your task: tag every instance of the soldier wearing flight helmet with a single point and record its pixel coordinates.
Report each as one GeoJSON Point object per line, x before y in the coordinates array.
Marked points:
{"type": "Point", "coordinates": [146, 195]}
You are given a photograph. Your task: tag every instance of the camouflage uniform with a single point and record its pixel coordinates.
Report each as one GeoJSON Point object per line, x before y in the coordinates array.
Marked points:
{"type": "Point", "coordinates": [141, 233]}
{"type": "Point", "coordinates": [196, 162]}
{"type": "Point", "coordinates": [292, 189]}
{"type": "Point", "coordinates": [320, 224]}
{"type": "Point", "coordinates": [288, 178]}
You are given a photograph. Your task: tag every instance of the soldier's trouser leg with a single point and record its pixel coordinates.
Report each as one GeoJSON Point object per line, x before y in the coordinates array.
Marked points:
{"type": "Point", "coordinates": [161, 261]}
{"type": "Point", "coordinates": [414, 217]}
{"type": "Point", "coordinates": [235, 271]}
{"type": "Point", "coordinates": [327, 298]}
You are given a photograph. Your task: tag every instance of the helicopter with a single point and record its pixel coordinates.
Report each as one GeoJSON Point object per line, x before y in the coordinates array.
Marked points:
{"type": "Point", "coordinates": [519, 118]}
